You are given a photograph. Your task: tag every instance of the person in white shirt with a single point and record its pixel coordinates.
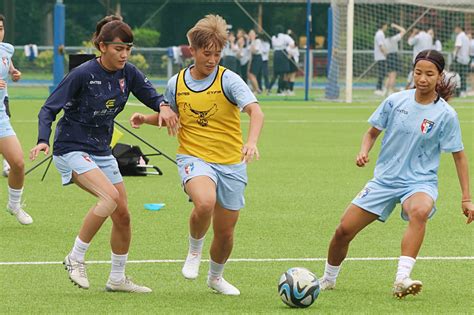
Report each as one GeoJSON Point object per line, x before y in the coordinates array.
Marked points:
{"type": "Point", "coordinates": [255, 47]}
{"type": "Point", "coordinates": [264, 73]}
{"type": "Point", "coordinates": [436, 42]}
{"type": "Point", "coordinates": [420, 40]}
{"type": "Point", "coordinates": [471, 64]}
{"type": "Point", "coordinates": [461, 57]}
{"type": "Point", "coordinates": [396, 33]}
{"type": "Point", "coordinates": [229, 54]}
{"type": "Point", "coordinates": [281, 62]}
{"type": "Point", "coordinates": [294, 55]}
{"type": "Point", "coordinates": [380, 58]}
{"type": "Point", "coordinates": [243, 53]}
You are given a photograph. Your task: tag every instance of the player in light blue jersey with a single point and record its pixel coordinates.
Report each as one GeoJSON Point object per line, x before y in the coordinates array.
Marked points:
{"type": "Point", "coordinates": [419, 124]}
{"type": "Point", "coordinates": [10, 147]}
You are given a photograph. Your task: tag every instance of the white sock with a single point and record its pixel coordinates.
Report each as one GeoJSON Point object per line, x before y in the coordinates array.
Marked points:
{"type": "Point", "coordinates": [331, 272]}
{"type": "Point", "coordinates": [195, 245]}
{"type": "Point", "coordinates": [117, 273]}
{"type": "Point", "coordinates": [215, 270]}
{"type": "Point", "coordinates": [79, 249]}
{"type": "Point", "coordinates": [14, 198]}
{"type": "Point", "coordinates": [405, 265]}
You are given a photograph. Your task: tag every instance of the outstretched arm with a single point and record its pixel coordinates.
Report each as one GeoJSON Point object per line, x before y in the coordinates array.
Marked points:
{"type": "Point", "coordinates": [399, 28]}
{"type": "Point", "coordinates": [462, 168]}
{"type": "Point", "coordinates": [367, 143]}
{"type": "Point", "coordinates": [138, 119]}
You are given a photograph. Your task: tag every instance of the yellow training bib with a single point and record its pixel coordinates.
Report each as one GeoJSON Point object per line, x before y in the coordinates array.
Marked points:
{"type": "Point", "coordinates": [210, 122]}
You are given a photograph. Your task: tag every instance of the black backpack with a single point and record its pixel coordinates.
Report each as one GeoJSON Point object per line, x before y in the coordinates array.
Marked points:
{"type": "Point", "coordinates": [132, 162]}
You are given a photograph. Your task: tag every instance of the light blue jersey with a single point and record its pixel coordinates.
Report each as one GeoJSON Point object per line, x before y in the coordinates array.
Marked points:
{"type": "Point", "coordinates": [6, 53]}
{"type": "Point", "coordinates": [415, 135]}
{"type": "Point", "coordinates": [235, 89]}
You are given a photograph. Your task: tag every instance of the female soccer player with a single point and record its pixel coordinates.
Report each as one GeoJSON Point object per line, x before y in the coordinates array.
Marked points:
{"type": "Point", "coordinates": [10, 147]}
{"type": "Point", "coordinates": [418, 125]}
{"type": "Point", "coordinates": [91, 96]}
{"type": "Point", "coordinates": [211, 155]}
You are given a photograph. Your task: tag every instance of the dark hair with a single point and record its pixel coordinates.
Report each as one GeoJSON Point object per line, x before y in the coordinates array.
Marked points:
{"type": "Point", "coordinates": [105, 20]}
{"type": "Point", "coordinates": [445, 87]}
{"type": "Point", "coordinates": [381, 24]}
{"type": "Point", "coordinates": [2, 18]}
{"type": "Point", "coordinates": [106, 31]}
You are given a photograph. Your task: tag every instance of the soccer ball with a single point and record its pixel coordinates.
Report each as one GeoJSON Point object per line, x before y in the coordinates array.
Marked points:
{"type": "Point", "coordinates": [298, 287]}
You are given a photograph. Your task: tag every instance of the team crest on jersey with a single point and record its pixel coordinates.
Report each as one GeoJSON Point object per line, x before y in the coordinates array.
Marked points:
{"type": "Point", "coordinates": [364, 192]}
{"type": "Point", "coordinates": [110, 103]}
{"type": "Point", "coordinates": [426, 126]}
{"type": "Point", "coordinates": [122, 85]}
{"type": "Point", "coordinates": [202, 116]}
{"type": "Point", "coordinates": [188, 168]}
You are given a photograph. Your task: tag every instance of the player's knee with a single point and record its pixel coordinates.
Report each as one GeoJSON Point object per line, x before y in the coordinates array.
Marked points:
{"type": "Point", "coordinates": [419, 214]}
{"type": "Point", "coordinates": [122, 218]}
{"type": "Point", "coordinates": [343, 234]}
{"type": "Point", "coordinates": [204, 207]}
{"type": "Point", "coordinates": [106, 205]}
{"type": "Point", "coordinates": [17, 165]}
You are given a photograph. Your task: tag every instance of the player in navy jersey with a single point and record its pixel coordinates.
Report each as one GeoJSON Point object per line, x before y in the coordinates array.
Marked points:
{"type": "Point", "coordinates": [91, 96]}
{"type": "Point", "coordinates": [10, 147]}
{"type": "Point", "coordinates": [419, 124]}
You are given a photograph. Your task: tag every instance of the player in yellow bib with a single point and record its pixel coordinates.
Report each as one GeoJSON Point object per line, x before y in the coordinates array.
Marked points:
{"type": "Point", "coordinates": [212, 158]}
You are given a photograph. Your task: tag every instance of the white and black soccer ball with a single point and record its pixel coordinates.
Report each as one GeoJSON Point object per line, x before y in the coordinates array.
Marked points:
{"type": "Point", "coordinates": [298, 287]}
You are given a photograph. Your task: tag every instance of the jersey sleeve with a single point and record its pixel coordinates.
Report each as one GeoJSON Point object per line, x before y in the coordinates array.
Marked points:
{"type": "Point", "coordinates": [380, 39]}
{"type": "Point", "coordinates": [144, 91]}
{"type": "Point", "coordinates": [63, 95]}
{"type": "Point", "coordinates": [450, 138]}
{"type": "Point", "coordinates": [170, 93]}
{"type": "Point", "coordinates": [379, 118]}
{"type": "Point", "coordinates": [236, 90]}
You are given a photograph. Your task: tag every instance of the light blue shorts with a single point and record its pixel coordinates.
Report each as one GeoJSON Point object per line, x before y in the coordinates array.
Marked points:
{"type": "Point", "coordinates": [230, 179]}
{"type": "Point", "coordinates": [81, 162]}
{"type": "Point", "coordinates": [6, 129]}
{"type": "Point", "coordinates": [381, 199]}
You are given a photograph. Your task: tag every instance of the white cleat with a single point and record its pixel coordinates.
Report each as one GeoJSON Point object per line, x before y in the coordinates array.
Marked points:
{"type": "Point", "coordinates": [191, 266]}
{"type": "Point", "coordinates": [126, 285]}
{"type": "Point", "coordinates": [6, 168]}
{"type": "Point", "coordinates": [219, 285]}
{"type": "Point", "coordinates": [20, 214]}
{"type": "Point", "coordinates": [326, 284]}
{"type": "Point", "coordinates": [77, 272]}
{"type": "Point", "coordinates": [405, 287]}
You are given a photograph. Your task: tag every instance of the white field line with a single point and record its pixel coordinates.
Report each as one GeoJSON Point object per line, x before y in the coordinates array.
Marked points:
{"type": "Point", "coordinates": [165, 261]}
{"type": "Point", "coordinates": [275, 121]}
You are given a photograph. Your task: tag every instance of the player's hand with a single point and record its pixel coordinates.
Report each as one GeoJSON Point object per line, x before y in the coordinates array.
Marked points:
{"type": "Point", "coordinates": [468, 210]}
{"type": "Point", "coordinates": [169, 118]}
{"type": "Point", "coordinates": [362, 159]}
{"type": "Point", "coordinates": [3, 84]}
{"type": "Point", "coordinates": [249, 152]}
{"type": "Point", "coordinates": [37, 149]}
{"type": "Point", "coordinates": [16, 75]}
{"type": "Point", "coordinates": [137, 120]}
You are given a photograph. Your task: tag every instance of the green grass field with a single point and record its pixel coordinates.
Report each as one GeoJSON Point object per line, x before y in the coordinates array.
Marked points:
{"type": "Point", "coordinates": [296, 194]}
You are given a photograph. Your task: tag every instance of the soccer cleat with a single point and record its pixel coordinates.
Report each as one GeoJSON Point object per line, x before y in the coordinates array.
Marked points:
{"type": "Point", "coordinates": [191, 266]}
{"type": "Point", "coordinates": [77, 272]}
{"type": "Point", "coordinates": [20, 214]}
{"type": "Point", "coordinates": [326, 284]}
{"type": "Point", "coordinates": [126, 285]}
{"type": "Point", "coordinates": [220, 285]}
{"type": "Point", "coordinates": [405, 287]}
{"type": "Point", "coordinates": [6, 168]}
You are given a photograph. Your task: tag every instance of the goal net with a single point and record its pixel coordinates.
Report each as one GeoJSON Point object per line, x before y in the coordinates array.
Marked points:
{"type": "Point", "coordinates": [359, 69]}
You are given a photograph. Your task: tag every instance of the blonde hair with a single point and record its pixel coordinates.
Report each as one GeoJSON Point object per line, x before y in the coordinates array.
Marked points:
{"type": "Point", "coordinates": [210, 31]}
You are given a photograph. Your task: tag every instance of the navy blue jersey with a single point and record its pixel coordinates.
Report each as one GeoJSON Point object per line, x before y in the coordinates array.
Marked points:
{"type": "Point", "coordinates": [91, 98]}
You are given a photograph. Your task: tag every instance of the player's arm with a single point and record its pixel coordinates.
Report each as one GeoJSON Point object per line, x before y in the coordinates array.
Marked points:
{"type": "Point", "coordinates": [14, 72]}
{"type": "Point", "coordinates": [249, 149]}
{"type": "Point", "coordinates": [399, 28]}
{"type": "Point", "coordinates": [368, 141]}
{"type": "Point", "coordinates": [462, 168]}
{"type": "Point", "coordinates": [138, 119]}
